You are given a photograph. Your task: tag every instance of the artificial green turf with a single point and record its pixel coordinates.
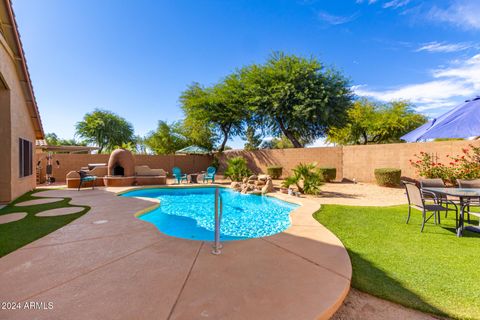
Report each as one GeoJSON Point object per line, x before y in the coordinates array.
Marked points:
{"type": "Point", "coordinates": [433, 271]}
{"type": "Point", "coordinates": [14, 235]}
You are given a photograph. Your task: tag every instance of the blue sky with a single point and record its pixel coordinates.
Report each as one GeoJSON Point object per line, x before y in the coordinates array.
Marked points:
{"type": "Point", "coordinates": [135, 57]}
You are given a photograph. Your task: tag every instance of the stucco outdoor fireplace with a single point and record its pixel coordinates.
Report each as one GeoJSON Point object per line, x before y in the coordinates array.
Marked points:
{"type": "Point", "coordinates": [121, 169]}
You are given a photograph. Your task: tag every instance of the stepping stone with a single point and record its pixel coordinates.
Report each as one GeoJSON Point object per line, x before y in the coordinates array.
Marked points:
{"type": "Point", "coordinates": [6, 218]}
{"type": "Point", "coordinates": [59, 212]}
{"type": "Point", "coordinates": [37, 201]}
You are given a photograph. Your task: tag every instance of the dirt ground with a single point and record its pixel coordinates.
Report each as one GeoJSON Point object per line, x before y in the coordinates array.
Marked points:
{"type": "Point", "coordinates": [359, 305]}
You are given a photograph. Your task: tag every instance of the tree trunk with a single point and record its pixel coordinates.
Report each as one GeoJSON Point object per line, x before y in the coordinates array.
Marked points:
{"type": "Point", "coordinates": [289, 135]}
{"type": "Point", "coordinates": [225, 132]}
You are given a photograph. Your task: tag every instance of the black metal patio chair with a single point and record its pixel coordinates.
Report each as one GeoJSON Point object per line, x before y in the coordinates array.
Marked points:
{"type": "Point", "coordinates": [416, 200]}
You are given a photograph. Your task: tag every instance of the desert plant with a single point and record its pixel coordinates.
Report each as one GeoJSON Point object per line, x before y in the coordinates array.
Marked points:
{"type": "Point", "coordinates": [237, 169]}
{"type": "Point", "coordinates": [275, 171]}
{"type": "Point", "coordinates": [388, 177]}
{"type": "Point", "coordinates": [329, 174]}
{"type": "Point", "coordinates": [306, 177]}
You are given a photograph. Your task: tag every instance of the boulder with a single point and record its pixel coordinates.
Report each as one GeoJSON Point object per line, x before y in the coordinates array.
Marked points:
{"type": "Point", "coordinates": [269, 185]}
{"type": "Point", "coordinates": [253, 177]}
{"type": "Point", "coordinates": [260, 183]}
{"type": "Point", "coordinates": [263, 177]}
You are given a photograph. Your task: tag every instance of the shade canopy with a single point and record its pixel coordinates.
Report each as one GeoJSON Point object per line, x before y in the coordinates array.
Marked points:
{"type": "Point", "coordinates": [463, 121]}
{"type": "Point", "coordinates": [192, 150]}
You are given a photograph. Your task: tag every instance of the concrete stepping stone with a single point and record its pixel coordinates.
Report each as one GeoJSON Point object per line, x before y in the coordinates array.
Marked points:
{"type": "Point", "coordinates": [6, 218]}
{"type": "Point", "coordinates": [37, 201]}
{"type": "Point", "coordinates": [59, 212]}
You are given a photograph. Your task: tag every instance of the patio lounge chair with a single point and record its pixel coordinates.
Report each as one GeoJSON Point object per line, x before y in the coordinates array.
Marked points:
{"type": "Point", "coordinates": [210, 174]}
{"type": "Point", "coordinates": [470, 184]}
{"type": "Point", "coordinates": [416, 200]}
{"type": "Point", "coordinates": [85, 177]}
{"type": "Point", "coordinates": [177, 174]}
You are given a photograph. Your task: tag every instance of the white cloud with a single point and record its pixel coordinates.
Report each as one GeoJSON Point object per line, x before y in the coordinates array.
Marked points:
{"type": "Point", "coordinates": [334, 19]}
{"type": "Point", "coordinates": [449, 85]}
{"type": "Point", "coordinates": [462, 13]}
{"type": "Point", "coordinates": [394, 4]}
{"type": "Point", "coordinates": [444, 47]}
{"type": "Point", "coordinates": [369, 1]}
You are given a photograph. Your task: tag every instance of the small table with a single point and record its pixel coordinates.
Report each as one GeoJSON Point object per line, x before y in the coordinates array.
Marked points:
{"type": "Point", "coordinates": [193, 177]}
{"type": "Point", "coordinates": [464, 195]}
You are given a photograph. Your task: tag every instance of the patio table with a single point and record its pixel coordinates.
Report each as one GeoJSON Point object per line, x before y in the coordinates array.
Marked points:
{"type": "Point", "coordinates": [464, 195]}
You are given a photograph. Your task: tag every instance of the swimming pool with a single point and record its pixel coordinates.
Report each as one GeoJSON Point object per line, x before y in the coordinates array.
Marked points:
{"type": "Point", "coordinates": [189, 213]}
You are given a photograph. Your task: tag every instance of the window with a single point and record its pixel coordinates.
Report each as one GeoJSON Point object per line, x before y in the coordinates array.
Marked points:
{"type": "Point", "coordinates": [26, 157]}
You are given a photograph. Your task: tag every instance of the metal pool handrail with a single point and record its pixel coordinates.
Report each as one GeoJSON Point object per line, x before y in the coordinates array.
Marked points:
{"type": "Point", "coordinates": [218, 217]}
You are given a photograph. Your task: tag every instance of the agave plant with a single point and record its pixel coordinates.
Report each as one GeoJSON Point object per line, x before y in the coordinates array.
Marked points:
{"type": "Point", "coordinates": [306, 177]}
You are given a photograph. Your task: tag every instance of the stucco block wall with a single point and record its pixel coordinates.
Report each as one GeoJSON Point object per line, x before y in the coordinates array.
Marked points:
{"type": "Point", "coordinates": [352, 162]}
{"type": "Point", "coordinates": [73, 162]}
{"type": "Point", "coordinates": [359, 162]}
{"type": "Point", "coordinates": [259, 160]}
{"type": "Point", "coordinates": [20, 126]}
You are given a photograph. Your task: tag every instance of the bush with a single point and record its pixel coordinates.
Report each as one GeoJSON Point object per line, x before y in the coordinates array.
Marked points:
{"type": "Point", "coordinates": [306, 177]}
{"type": "Point", "coordinates": [329, 174]}
{"type": "Point", "coordinates": [237, 169]}
{"type": "Point", "coordinates": [388, 177]}
{"type": "Point", "coordinates": [274, 171]}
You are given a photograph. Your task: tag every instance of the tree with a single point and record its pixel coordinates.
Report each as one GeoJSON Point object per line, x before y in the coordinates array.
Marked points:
{"type": "Point", "coordinates": [105, 129]}
{"type": "Point", "coordinates": [53, 140]}
{"type": "Point", "coordinates": [221, 106]}
{"type": "Point", "coordinates": [296, 97]}
{"type": "Point", "coordinates": [372, 123]}
{"type": "Point", "coordinates": [281, 142]}
{"type": "Point", "coordinates": [253, 140]}
{"type": "Point", "coordinates": [167, 139]}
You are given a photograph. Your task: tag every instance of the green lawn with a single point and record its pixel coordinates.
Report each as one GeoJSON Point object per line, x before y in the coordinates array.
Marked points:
{"type": "Point", "coordinates": [433, 271]}
{"type": "Point", "coordinates": [16, 234]}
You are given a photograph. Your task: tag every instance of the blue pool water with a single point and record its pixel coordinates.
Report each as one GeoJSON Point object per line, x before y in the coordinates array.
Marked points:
{"type": "Point", "coordinates": [189, 213]}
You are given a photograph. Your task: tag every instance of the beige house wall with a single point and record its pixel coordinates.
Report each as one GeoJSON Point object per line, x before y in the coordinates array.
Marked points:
{"type": "Point", "coordinates": [73, 162]}
{"type": "Point", "coordinates": [18, 124]}
{"type": "Point", "coordinates": [352, 162]}
{"type": "Point", "coordinates": [5, 142]}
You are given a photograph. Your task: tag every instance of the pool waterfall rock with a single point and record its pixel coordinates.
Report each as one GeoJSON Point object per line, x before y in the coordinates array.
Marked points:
{"type": "Point", "coordinates": [261, 184]}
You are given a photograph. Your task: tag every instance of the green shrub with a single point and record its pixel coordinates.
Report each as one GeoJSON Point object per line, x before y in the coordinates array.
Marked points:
{"type": "Point", "coordinates": [306, 177]}
{"type": "Point", "coordinates": [274, 171]}
{"type": "Point", "coordinates": [237, 169]}
{"type": "Point", "coordinates": [388, 177]}
{"type": "Point", "coordinates": [329, 174]}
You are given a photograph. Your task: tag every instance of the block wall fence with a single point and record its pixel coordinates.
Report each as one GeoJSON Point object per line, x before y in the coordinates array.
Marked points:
{"type": "Point", "coordinates": [73, 162]}
{"type": "Point", "coordinates": [351, 162]}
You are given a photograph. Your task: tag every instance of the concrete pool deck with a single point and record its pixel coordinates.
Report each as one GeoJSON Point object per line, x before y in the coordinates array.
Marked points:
{"type": "Point", "coordinates": [124, 268]}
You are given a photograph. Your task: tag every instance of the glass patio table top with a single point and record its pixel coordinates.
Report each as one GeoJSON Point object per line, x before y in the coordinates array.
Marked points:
{"type": "Point", "coordinates": [456, 192]}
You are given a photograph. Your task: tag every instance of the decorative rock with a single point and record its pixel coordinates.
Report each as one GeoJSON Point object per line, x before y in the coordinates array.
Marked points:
{"type": "Point", "coordinates": [259, 183]}
{"type": "Point", "coordinates": [245, 180]}
{"type": "Point", "coordinates": [37, 201]}
{"type": "Point", "coordinates": [263, 177]}
{"type": "Point", "coordinates": [251, 181]}
{"type": "Point", "coordinates": [269, 185]}
{"type": "Point", "coordinates": [253, 177]}
{"type": "Point", "coordinates": [11, 217]}
{"type": "Point", "coordinates": [256, 192]}
{"type": "Point", "coordinates": [59, 212]}
{"type": "Point", "coordinates": [235, 185]}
